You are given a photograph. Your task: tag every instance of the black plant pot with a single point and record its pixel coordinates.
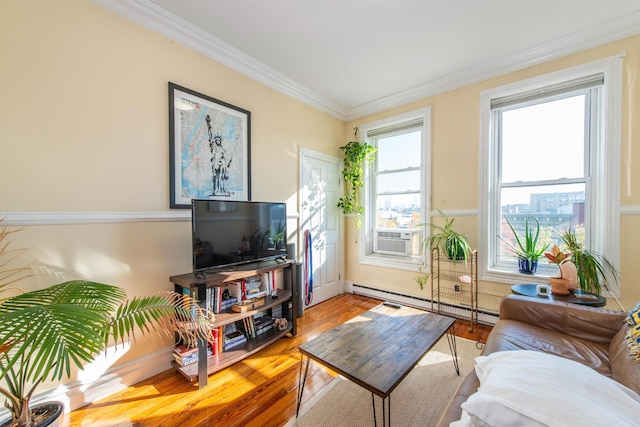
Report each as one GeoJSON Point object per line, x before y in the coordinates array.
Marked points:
{"type": "Point", "coordinates": [527, 266]}
{"type": "Point", "coordinates": [47, 414]}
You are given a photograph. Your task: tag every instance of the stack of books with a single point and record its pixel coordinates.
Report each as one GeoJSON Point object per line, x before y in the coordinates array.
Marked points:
{"type": "Point", "coordinates": [263, 323]}
{"type": "Point", "coordinates": [234, 339]}
{"type": "Point", "coordinates": [184, 355]}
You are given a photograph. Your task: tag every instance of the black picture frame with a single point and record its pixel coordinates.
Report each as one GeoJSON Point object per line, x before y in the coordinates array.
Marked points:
{"type": "Point", "coordinates": [209, 149]}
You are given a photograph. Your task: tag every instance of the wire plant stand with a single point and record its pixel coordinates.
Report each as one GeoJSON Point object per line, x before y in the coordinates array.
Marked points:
{"type": "Point", "coordinates": [462, 285]}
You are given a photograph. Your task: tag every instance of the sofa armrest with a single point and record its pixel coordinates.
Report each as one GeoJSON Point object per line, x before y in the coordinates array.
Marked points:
{"type": "Point", "coordinates": [588, 323]}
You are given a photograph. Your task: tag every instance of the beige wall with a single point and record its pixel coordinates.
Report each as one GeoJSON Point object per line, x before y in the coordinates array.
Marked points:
{"type": "Point", "coordinates": [455, 149]}
{"type": "Point", "coordinates": [84, 128]}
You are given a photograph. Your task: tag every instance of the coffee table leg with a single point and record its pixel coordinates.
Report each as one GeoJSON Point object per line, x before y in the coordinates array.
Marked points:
{"type": "Point", "coordinates": [386, 411]}
{"type": "Point", "coordinates": [301, 382]}
{"type": "Point", "coordinates": [451, 338]}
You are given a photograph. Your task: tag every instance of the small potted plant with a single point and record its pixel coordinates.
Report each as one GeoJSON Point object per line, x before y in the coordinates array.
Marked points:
{"type": "Point", "coordinates": [567, 279]}
{"type": "Point", "coordinates": [451, 243]}
{"type": "Point", "coordinates": [529, 249]}
{"type": "Point", "coordinates": [43, 333]}
{"type": "Point", "coordinates": [594, 270]}
{"type": "Point", "coordinates": [357, 156]}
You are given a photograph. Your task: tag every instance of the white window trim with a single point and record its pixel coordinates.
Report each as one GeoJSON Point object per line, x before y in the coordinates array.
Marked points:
{"type": "Point", "coordinates": [365, 236]}
{"type": "Point", "coordinates": [606, 167]}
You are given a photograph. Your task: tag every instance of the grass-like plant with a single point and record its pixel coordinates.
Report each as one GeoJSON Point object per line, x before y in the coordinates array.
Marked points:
{"type": "Point", "coordinates": [594, 269]}
{"type": "Point", "coordinates": [528, 246]}
{"type": "Point", "coordinates": [451, 243]}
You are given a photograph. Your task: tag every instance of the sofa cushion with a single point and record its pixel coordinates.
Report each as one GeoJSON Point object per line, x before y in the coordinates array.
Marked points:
{"type": "Point", "coordinates": [624, 368]}
{"type": "Point", "coordinates": [515, 335]}
{"type": "Point", "coordinates": [534, 388]}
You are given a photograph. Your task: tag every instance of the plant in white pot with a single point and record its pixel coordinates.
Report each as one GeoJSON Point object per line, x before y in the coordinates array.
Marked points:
{"type": "Point", "coordinates": [43, 333]}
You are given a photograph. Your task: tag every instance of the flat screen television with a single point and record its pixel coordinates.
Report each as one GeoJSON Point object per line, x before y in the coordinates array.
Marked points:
{"type": "Point", "coordinates": [227, 233]}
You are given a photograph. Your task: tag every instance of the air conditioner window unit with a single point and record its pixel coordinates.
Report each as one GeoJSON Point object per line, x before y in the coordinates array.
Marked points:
{"type": "Point", "coordinates": [396, 242]}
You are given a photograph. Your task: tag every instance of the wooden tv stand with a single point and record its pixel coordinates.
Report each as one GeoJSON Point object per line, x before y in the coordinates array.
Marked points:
{"type": "Point", "coordinates": [197, 287]}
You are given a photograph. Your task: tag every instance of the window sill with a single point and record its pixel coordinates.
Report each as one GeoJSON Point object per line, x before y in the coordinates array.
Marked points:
{"type": "Point", "coordinates": [389, 261]}
{"type": "Point", "coordinates": [513, 278]}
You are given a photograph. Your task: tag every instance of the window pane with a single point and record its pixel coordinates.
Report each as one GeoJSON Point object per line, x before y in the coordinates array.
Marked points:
{"type": "Point", "coordinates": [398, 182]}
{"type": "Point", "coordinates": [399, 151]}
{"type": "Point", "coordinates": [398, 211]}
{"type": "Point", "coordinates": [544, 141]}
{"type": "Point", "coordinates": [556, 207]}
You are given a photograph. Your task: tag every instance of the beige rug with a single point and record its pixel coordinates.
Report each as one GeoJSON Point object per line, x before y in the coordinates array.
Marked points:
{"type": "Point", "coordinates": [419, 399]}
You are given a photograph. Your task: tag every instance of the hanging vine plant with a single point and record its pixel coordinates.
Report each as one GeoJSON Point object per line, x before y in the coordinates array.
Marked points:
{"type": "Point", "coordinates": [357, 157]}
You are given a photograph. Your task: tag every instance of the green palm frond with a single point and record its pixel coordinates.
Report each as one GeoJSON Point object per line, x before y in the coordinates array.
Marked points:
{"type": "Point", "coordinates": [174, 312]}
{"type": "Point", "coordinates": [54, 327]}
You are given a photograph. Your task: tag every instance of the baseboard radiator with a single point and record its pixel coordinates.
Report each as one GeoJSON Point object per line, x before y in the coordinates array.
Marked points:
{"type": "Point", "coordinates": [484, 316]}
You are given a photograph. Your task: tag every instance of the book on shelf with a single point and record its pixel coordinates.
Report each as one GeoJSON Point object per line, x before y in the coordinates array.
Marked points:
{"type": "Point", "coordinates": [185, 356]}
{"type": "Point", "coordinates": [263, 323]}
{"type": "Point", "coordinates": [234, 339]}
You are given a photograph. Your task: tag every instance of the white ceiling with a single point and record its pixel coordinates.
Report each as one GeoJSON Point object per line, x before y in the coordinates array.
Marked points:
{"type": "Point", "coordinates": [355, 57]}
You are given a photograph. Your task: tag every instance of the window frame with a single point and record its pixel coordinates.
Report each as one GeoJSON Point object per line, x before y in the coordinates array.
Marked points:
{"type": "Point", "coordinates": [367, 230]}
{"type": "Point", "coordinates": [603, 189]}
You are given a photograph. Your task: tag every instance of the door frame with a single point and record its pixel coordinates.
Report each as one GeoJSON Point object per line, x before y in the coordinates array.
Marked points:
{"type": "Point", "coordinates": [309, 153]}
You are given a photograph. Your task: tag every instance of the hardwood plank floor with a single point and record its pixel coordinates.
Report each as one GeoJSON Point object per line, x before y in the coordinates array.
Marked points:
{"type": "Point", "coordinates": [260, 391]}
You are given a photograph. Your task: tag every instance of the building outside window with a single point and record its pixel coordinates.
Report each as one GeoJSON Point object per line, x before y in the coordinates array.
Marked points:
{"type": "Point", "coordinates": [550, 146]}
{"type": "Point", "coordinates": [396, 190]}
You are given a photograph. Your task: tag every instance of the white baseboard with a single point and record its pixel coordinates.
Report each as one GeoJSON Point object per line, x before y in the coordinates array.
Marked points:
{"type": "Point", "coordinates": [77, 394]}
{"type": "Point", "coordinates": [484, 316]}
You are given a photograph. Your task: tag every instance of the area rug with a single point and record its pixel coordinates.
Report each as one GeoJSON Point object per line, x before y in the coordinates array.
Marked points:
{"type": "Point", "coordinates": [419, 399]}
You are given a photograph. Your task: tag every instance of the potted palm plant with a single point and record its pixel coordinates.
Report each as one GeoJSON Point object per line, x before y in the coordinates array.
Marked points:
{"type": "Point", "coordinates": [528, 248]}
{"type": "Point", "coordinates": [451, 243]}
{"type": "Point", "coordinates": [43, 333]}
{"type": "Point", "coordinates": [594, 270]}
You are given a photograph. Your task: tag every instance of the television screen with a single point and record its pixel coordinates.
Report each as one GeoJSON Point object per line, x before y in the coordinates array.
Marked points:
{"type": "Point", "coordinates": [227, 233]}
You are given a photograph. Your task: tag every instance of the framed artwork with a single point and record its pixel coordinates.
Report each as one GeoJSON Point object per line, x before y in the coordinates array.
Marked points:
{"type": "Point", "coordinates": [209, 148]}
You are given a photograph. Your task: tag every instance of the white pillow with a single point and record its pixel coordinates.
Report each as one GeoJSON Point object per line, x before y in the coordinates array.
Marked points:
{"type": "Point", "coordinates": [530, 388]}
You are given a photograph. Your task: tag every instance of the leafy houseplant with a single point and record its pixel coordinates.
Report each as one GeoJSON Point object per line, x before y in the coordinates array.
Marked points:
{"type": "Point", "coordinates": [529, 249]}
{"type": "Point", "coordinates": [593, 268]}
{"type": "Point", "coordinates": [46, 331]}
{"type": "Point", "coordinates": [447, 240]}
{"type": "Point", "coordinates": [567, 276]}
{"type": "Point", "coordinates": [357, 156]}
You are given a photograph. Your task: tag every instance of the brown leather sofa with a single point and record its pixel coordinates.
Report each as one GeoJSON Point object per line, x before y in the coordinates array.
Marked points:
{"type": "Point", "coordinates": [592, 336]}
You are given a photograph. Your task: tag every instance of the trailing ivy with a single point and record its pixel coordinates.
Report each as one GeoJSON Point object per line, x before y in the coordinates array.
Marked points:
{"type": "Point", "coordinates": [357, 157]}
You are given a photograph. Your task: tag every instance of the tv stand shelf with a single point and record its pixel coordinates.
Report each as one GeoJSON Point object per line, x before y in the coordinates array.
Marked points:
{"type": "Point", "coordinates": [197, 286]}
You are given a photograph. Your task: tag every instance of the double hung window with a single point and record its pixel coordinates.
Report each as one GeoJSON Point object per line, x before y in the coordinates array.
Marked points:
{"type": "Point", "coordinates": [396, 190]}
{"type": "Point", "coordinates": [549, 152]}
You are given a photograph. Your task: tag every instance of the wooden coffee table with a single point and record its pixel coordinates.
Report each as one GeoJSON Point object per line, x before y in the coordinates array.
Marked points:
{"type": "Point", "coordinates": [377, 349]}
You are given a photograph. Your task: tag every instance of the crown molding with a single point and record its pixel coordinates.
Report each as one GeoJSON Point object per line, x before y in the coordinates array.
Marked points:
{"type": "Point", "coordinates": [157, 19]}
{"type": "Point", "coordinates": [608, 32]}
{"type": "Point", "coordinates": [151, 16]}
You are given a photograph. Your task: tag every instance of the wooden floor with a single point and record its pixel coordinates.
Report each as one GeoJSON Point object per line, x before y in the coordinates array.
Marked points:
{"type": "Point", "coordinates": [259, 391]}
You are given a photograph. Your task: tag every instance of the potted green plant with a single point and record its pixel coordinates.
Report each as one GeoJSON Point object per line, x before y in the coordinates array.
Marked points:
{"type": "Point", "coordinates": [528, 249]}
{"type": "Point", "coordinates": [43, 333]}
{"type": "Point", "coordinates": [357, 157]}
{"type": "Point", "coordinates": [451, 243]}
{"type": "Point", "coordinates": [422, 279]}
{"type": "Point", "coordinates": [567, 276]}
{"type": "Point", "coordinates": [594, 270]}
